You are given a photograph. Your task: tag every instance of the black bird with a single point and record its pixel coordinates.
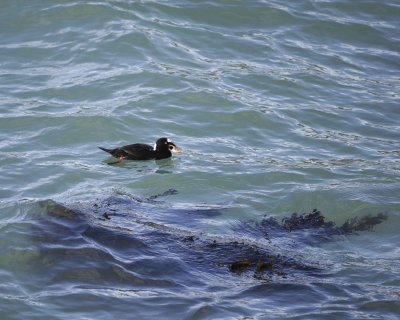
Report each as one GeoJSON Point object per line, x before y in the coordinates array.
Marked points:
{"type": "Point", "coordinates": [138, 151]}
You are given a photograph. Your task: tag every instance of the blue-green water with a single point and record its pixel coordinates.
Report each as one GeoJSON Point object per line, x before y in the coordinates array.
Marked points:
{"type": "Point", "coordinates": [279, 107]}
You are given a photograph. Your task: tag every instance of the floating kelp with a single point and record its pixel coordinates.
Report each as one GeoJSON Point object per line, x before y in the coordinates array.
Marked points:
{"type": "Point", "coordinates": [157, 228]}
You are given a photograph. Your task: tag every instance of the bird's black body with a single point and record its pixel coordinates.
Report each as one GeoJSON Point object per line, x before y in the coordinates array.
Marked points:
{"type": "Point", "coordinates": [139, 151]}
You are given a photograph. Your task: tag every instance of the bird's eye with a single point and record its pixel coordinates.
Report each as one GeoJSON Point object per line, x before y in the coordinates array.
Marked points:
{"type": "Point", "coordinates": [171, 147]}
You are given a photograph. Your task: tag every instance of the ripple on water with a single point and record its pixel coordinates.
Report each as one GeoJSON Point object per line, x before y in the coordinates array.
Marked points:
{"type": "Point", "coordinates": [279, 107]}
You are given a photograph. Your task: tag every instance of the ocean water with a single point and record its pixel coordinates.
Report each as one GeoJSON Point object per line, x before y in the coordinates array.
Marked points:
{"type": "Point", "coordinates": [278, 106]}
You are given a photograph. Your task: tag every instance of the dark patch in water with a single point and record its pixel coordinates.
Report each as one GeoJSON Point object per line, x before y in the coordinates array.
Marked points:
{"type": "Point", "coordinates": [128, 226]}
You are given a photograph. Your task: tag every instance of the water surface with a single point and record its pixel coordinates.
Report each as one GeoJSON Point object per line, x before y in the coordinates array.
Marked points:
{"type": "Point", "coordinates": [279, 106]}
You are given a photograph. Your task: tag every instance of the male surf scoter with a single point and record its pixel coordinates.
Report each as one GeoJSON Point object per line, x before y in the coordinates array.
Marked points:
{"type": "Point", "coordinates": [138, 151]}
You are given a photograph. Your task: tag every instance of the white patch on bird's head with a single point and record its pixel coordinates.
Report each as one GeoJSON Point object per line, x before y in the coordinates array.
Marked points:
{"type": "Point", "coordinates": [161, 142]}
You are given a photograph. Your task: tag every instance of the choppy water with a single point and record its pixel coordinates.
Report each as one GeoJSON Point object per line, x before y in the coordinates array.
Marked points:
{"type": "Point", "coordinates": [279, 106]}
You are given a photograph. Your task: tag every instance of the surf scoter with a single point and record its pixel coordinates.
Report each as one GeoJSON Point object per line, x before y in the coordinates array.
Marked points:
{"type": "Point", "coordinates": [138, 151]}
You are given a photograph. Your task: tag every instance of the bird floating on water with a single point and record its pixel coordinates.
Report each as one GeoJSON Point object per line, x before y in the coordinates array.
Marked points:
{"type": "Point", "coordinates": [162, 149]}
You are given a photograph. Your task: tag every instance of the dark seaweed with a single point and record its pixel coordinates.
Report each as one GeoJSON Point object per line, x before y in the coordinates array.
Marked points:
{"type": "Point", "coordinates": [209, 252]}
{"type": "Point", "coordinates": [365, 223]}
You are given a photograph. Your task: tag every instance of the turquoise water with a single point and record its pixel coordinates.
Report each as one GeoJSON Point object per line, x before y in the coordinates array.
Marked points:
{"type": "Point", "coordinates": [279, 107]}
